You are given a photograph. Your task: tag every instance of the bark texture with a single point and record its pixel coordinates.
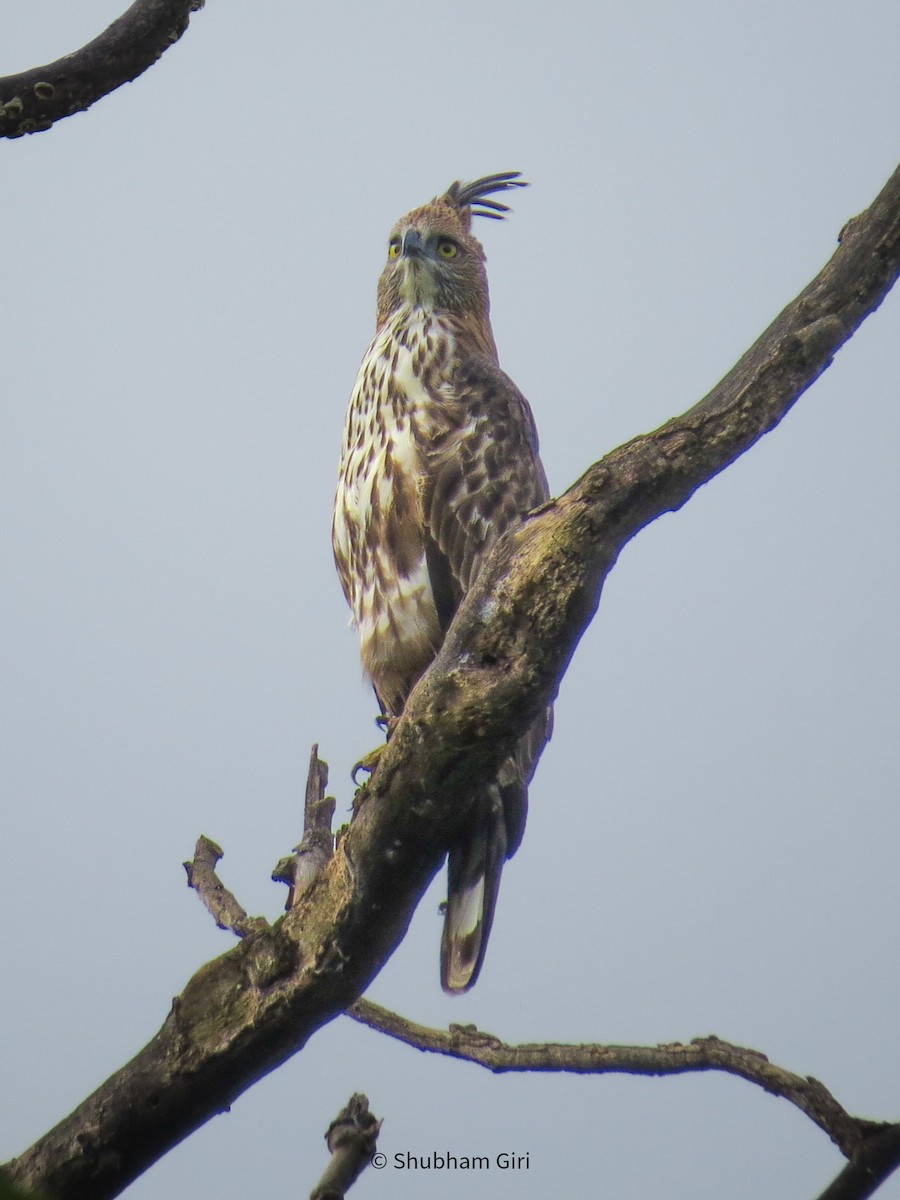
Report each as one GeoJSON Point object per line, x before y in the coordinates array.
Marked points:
{"type": "Point", "coordinates": [33, 100]}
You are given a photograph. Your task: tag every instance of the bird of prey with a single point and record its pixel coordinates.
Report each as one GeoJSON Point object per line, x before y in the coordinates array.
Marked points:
{"type": "Point", "coordinates": [439, 459]}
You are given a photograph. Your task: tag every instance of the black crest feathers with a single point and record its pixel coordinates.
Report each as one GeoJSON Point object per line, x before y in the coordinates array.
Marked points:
{"type": "Point", "coordinates": [473, 195]}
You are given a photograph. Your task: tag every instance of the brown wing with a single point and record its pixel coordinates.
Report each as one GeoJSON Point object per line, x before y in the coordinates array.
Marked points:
{"type": "Point", "coordinates": [483, 476]}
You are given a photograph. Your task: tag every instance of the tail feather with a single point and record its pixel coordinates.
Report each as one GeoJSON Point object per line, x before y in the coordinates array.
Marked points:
{"type": "Point", "coordinates": [475, 863]}
{"type": "Point", "coordinates": [474, 868]}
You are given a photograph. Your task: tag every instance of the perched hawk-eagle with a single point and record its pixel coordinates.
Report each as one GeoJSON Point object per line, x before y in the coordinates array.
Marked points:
{"type": "Point", "coordinates": [440, 457]}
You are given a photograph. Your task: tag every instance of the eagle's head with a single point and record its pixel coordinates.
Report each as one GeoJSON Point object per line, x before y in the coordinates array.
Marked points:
{"type": "Point", "coordinates": [434, 261]}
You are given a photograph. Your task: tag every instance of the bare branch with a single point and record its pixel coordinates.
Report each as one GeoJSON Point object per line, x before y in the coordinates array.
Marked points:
{"type": "Point", "coordinates": [861, 1178]}
{"type": "Point", "coordinates": [33, 100]}
{"type": "Point", "coordinates": [219, 902]}
{"type": "Point", "coordinates": [500, 664]}
{"type": "Point", "coordinates": [352, 1137]}
{"type": "Point", "coordinates": [301, 868]}
{"type": "Point", "coordinates": [701, 1054]}
{"type": "Point", "coordinates": [872, 1146]}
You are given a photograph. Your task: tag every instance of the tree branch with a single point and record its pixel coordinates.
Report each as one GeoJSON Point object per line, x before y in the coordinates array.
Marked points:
{"type": "Point", "coordinates": [218, 901]}
{"type": "Point", "coordinates": [247, 1011]}
{"type": "Point", "coordinates": [861, 1178]}
{"type": "Point", "coordinates": [702, 1054]}
{"type": "Point", "coordinates": [301, 868]}
{"type": "Point", "coordinates": [351, 1137]}
{"type": "Point", "coordinates": [33, 100]}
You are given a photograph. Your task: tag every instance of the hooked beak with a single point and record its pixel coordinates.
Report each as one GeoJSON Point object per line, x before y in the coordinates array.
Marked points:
{"type": "Point", "coordinates": [412, 244]}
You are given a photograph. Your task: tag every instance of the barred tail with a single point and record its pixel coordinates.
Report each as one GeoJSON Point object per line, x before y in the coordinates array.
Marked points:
{"type": "Point", "coordinates": [474, 868]}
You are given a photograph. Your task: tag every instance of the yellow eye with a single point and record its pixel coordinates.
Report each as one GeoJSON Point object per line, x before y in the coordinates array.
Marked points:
{"type": "Point", "coordinates": [447, 249]}
{"type": "Point", "coordinates": [394, 248]}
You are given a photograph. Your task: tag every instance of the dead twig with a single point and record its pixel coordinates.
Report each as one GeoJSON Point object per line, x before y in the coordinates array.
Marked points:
{"type": "Point", "coordinates": [299, 869]}
{"type": "Point", "coordinates": [219, 902]}
{"type": "Point", "coordinates": [351, 1137]}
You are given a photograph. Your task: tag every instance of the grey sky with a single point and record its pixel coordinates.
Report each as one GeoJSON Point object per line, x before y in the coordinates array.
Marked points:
{"type": "Point", "coordinates": [189, 280]}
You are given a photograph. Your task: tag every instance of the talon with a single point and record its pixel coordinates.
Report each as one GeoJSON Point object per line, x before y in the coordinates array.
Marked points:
{"type": "Point", "coordinates": [367, 763]}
